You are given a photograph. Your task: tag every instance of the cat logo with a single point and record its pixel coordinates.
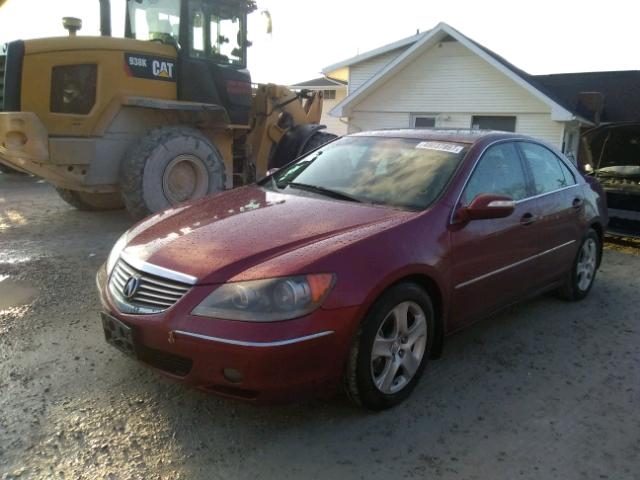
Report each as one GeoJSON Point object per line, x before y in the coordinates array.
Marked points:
{"type": "Point", "coordinates": [150, 67]}
{"type": "Point", "coordinates": [162, 69]}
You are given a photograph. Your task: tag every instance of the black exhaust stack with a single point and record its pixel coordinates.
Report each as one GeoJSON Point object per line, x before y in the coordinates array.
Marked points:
{"type": "Point", "coordinates": [105, 18]}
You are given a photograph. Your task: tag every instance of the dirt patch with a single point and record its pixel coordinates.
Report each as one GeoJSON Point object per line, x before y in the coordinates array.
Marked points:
{"type": "Point", "coordinates": [547, 390]}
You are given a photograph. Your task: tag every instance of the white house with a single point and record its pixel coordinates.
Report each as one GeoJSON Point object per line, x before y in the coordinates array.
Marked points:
{"type": "Point", "coordinates": [443, 79]}
{"type": "Point", "coordinates": [334, 91]}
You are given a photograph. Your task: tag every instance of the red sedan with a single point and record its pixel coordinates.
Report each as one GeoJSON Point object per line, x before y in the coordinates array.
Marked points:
{"type": "Point", "coordinates": [352, 264]}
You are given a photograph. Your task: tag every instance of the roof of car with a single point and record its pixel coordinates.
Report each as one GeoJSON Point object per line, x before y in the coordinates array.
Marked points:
{"type": "Point", "coordinates": [448, 135]}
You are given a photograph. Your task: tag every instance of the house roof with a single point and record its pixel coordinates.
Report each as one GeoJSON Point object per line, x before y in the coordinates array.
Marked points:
{"type": "Point", "coordinates": [322, 82]}
{"type": "Point", "coordinates": [374, 53]}
{"type": "Point", "coordinates": [431, 38]}
{"type": "Point", "coordinates": [620, 91]}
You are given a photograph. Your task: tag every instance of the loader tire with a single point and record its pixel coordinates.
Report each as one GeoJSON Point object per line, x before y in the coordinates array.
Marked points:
{"type": "Point", "coordinates": [91, 201]}
{"type": "Point", "coordinates": [317, 140]}
{"type": "Point", "coordinates": [169, 166]}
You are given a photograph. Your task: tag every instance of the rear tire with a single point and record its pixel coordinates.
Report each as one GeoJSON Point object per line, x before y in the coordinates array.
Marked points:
{"type": "Point", "coordinates": [583, 271]}
{"type": "Point", "coordinates": [389, 354]}
{"type": "Point", "coordinates": [91, 201]}
{"type": "Point", "coordinates": [169, 166]}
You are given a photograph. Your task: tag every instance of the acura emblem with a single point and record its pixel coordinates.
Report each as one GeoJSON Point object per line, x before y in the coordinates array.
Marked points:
{"type": "Point", "coordinates": [131, 287]}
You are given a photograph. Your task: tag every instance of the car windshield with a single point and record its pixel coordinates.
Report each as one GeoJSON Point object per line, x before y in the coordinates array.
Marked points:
{"type": "Point", "coordinates": [155, 20]}
{"type": "Point", "coordinates": [396, 172]}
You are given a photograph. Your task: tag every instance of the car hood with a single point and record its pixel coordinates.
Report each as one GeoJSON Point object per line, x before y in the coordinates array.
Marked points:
{"type": "Point", "coordinates": [215, 238]}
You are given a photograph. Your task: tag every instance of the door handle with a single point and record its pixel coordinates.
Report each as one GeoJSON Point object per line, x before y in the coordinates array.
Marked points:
{"type": "Point", "coordinates": [527, 219]}
{"type": "Point", "coordinates": [577, 203]}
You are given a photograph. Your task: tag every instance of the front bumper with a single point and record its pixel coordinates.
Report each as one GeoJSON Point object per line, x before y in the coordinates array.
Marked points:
{"type": "Point", "coordinates": [277, 362]}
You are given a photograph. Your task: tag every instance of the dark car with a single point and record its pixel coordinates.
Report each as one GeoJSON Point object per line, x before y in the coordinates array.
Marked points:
{"type": "Point", "coordinates": [352, 264]}
{"type": "Point", "coordinates": [611, 154]}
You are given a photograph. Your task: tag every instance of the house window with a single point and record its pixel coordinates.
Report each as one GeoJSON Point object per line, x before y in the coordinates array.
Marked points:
{"type": "Point", "coordinates": [329, 94]}
{"type": "Point", "coordinates": [503, 123]}
{"type": "Point", "coordinates": [423, 121]}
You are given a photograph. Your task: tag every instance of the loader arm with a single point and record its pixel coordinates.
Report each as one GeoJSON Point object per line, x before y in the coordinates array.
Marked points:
{"type": "Point", "coordinates": [274, 111]}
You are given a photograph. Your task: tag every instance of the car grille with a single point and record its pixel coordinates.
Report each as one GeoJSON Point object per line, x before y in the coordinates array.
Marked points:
{"type": "Point", "coordinates": [3, 61]}
{"type": "Point", "coordinates": [154, 294]}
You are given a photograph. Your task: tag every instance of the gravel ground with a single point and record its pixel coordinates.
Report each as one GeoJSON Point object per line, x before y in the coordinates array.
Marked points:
{"type": "Point", "coordinates": [546, 390]}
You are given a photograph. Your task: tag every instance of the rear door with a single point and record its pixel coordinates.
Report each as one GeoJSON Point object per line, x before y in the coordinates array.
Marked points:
{"type": "Point", "coordinates": [491, 258]}
{"type": "Point", "coordinates": [560, 202]}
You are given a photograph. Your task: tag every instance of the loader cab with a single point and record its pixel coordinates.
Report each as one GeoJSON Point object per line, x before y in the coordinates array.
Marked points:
{"type": "Point", "coordinates": [210, 37]}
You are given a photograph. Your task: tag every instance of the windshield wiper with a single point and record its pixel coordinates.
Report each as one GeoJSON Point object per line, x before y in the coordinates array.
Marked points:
{"type": "Point", "coordinates": [324, 191]}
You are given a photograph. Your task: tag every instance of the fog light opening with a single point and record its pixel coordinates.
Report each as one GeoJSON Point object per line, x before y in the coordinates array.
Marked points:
{"type": "Point", "coordinates": [232, 375]}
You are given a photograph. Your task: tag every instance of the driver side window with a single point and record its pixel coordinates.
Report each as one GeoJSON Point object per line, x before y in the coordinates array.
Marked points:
{"type": "Point", "coordinates": [500, 172]}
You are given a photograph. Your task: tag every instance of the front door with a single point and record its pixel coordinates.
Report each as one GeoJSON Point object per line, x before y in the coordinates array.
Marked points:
{"type": "Point", "coordinates": [491, 258]}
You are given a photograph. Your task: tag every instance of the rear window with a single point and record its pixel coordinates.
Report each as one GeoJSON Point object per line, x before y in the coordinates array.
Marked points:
{"type": "Point", "coordinates": [548, 171]}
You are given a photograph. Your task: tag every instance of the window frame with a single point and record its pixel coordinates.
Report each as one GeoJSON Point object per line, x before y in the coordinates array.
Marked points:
{"type": "Point", "coordinates": [415, 116]}
{"type": "Point", "coordinates": [530, 172]}
{"type": "Point", "coordinates": [515, 121]}
{"type": "Point", "coordinates": [188, 9]}
{"type": "Point", "coordinates": [530, 185]}
{"type": "Point", "coordinates": [331, 94]}
{"type": "Point", "coordinates": [527, 177]}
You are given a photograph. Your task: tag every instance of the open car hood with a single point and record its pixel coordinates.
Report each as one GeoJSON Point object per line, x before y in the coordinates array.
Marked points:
{"type": "Point", "coordinates": [594, 142]}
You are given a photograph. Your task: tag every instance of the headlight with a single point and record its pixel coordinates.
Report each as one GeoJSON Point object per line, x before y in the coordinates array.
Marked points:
{"type": "Point", "coordinates": [115, 252]}
{"type": "Point", "coordinates": [73, 88]}
{"type": "Point", "coordinates": [267, 300]}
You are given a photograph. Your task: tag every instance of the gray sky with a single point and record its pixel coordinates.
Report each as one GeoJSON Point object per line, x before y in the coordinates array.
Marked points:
{"type": "Point", "coordinates": [545, 36]}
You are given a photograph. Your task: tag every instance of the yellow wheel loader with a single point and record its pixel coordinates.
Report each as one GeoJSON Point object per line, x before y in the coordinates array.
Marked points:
{"type": "Point", "coordinates": [162, 116]}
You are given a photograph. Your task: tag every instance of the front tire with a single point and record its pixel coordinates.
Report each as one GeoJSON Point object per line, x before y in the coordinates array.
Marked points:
{"type": "Point", "coordinates": [91, 202]}
{"type": "Point", "coordinates": [169, 166]}
{"type": "Point", "coordinates": [583, 271]}
{"type": "Point", "coordinates": [391, 348]}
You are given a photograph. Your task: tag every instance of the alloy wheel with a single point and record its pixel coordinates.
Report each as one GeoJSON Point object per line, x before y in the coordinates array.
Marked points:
{"type": "Point", "coordinates": [398, 347]}
{"type": "Point", "coordinates": [586, 266]}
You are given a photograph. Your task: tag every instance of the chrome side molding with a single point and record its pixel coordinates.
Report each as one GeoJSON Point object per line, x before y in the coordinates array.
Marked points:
{"type": "Point", "coordinates": [520, 262]}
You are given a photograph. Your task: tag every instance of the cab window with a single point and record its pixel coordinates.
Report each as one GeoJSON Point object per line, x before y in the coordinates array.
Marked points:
{"type": "Point", "coordinates": [500, 172]}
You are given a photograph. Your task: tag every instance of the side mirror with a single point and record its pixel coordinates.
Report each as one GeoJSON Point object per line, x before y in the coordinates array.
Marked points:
{"type": "Point", "coordinates": [484, 207]}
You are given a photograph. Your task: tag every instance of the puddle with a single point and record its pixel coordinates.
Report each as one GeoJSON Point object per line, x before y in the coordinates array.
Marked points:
{"type": "Point", "coordinates": [14, 293]}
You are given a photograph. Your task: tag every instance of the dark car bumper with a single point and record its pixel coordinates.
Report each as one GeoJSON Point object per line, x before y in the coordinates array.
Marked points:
{"type": "Point", "coordinates": [291, 360]}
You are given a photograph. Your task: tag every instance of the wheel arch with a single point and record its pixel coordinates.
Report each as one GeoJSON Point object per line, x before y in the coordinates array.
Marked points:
{"type": "Point", "coordinates": [435, 293]}
{"type": "Point", "coordinates": [428, 283]}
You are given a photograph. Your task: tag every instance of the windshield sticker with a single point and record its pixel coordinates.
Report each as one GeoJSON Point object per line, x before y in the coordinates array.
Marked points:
{"type": "Point", "coordinates": [440, 146]}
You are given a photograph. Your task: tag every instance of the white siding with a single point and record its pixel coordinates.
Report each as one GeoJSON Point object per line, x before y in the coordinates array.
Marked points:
{"type": "Point", "coordinates": [363, 71]}
{"type": "Point", "coordinates": [541, 126]}
{"type": "Point", "coordinates": [376, 120]}
{"type": "Point", "coordinates": [334, 125]}
{"type": "Point", "coordinates": [453, 83]}
{"type": "Point", "coordinates": [537, 125]}
{"type": "Point", "coordinates": [451, 77]}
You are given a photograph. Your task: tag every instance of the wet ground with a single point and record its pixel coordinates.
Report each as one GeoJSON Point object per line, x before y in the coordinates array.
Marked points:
{"type": "Point", "coordinates": [547, 390]}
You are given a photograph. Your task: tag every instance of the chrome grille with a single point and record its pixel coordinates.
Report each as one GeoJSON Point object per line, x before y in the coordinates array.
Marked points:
{"type": "Point", "coordinates": [3, 61]}
{"type": "Point", "coordinates": [154, 294]}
